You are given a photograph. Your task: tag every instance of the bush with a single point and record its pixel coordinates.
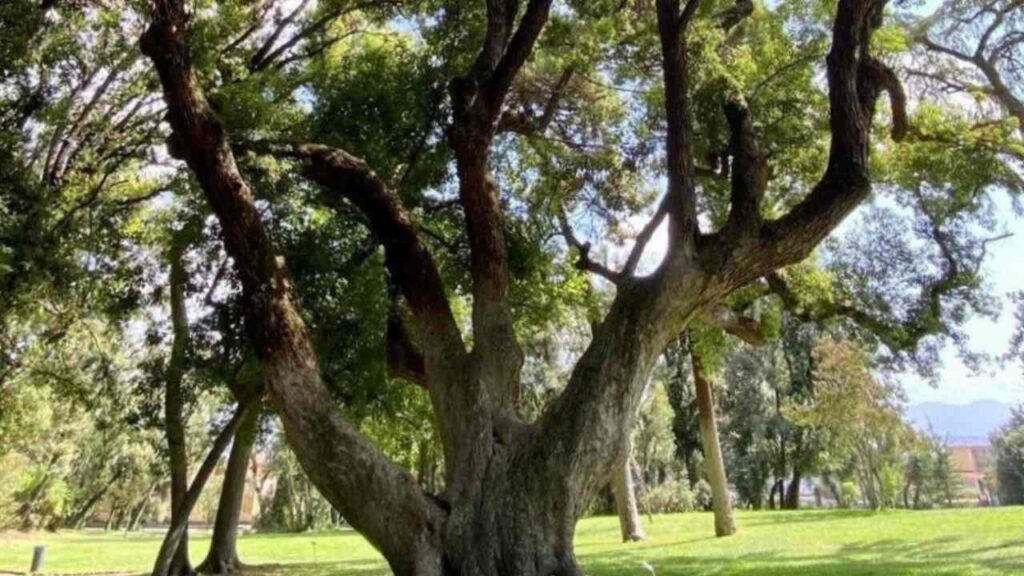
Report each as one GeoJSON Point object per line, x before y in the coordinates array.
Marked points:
{"type": "Point", "coordinates": [849, 491]}
{"type": "Point", "coordinates": [668, 498]}
{"type": "Point", "coordinates": [702, 495]}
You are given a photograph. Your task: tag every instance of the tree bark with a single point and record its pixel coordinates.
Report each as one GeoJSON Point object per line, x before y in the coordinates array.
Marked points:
{"type": "Point", "coordinates": [625, 497]}
{"type": "Point", "coordinates": [222, 557]}
{"type": "Point", "coordinates": [174, 400]}
{"type": "Point", "coordinates": [377, 497]}
{"type": "Point", "coordinates": [714, 464]}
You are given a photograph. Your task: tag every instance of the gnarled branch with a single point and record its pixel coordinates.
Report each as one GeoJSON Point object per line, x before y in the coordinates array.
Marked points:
{"type": "Point", "coordinates": [376, 496]}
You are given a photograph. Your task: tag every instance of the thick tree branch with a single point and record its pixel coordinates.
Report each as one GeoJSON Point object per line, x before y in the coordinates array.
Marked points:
{"type": "Point", "coordinates": [477, 101]}
{"type": "Point", "coordinates": [499, 81]}
{"type": "Point", "coordinates": [747, 329]}
{"type": "Point", "coordinates": [855, 80]}
{"type": "Point", "coordinates": [412, 268]}
{"type": "Point", "coordinates": [733, 15]}
{"type": "Point", "coordinates": [405, 360]}
{"type": "Point", "coordinates": [749, 173]}
{"type": "Point", "coordinates": [681, 196]}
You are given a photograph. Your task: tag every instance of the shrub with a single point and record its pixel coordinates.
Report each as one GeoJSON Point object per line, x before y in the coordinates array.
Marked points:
{"type": "Point", "coordinates": [670, 497]}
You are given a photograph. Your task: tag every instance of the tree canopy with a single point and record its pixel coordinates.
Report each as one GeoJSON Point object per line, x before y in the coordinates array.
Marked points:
{"type": "Point", "coordinates": [468, 231]}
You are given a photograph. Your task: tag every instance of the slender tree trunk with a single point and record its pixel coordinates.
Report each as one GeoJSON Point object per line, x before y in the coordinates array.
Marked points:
{"type": "Point", "coordinates": [174, 401]}
{"type": "Point", "coordinates": [78, 518]}
{"type": "Point", "coordinates": [28, 507]}
{"type": "Point", "coordinates": [834, 488]}
{"type": "Point", "coordinates": [140, 509]}
{"type": "Point", "coordinates": [122, 514]}
{"type": "Point", "coordinates": [222, 557]}
{"type": "Point", "coordinates": [174, 537]}
{"type": "Point", "coordinates": [714, 464]}
{"type": "Point", "coordinates": [793, 492]}
{"type": "Point", "coordinates": [625, 497]}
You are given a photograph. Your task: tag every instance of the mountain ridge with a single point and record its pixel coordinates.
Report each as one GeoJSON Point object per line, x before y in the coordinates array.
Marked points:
{"type": "Point", "coordinates": [960, 424]}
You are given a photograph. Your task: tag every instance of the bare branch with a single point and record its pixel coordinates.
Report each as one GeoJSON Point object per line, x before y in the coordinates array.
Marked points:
{"type": "Point", "coordinates": [257, 59]}
{"type": "Point", "coordinates": [643, 238]}
{"type": "Point", "coordinates": [584, 261]}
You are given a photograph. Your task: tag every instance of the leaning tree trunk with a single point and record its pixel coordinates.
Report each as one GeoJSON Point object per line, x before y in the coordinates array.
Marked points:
{"type": "Point", "coordinates": [174, 401]}
{"type": "Point", "coordinates": [222, 557]}
{"type": "Point", "coordinates": [78, 519]}
{"type": "Point", "coordinates": [625, 497]}
{"type": "Point", "coordinates": [714, 464]}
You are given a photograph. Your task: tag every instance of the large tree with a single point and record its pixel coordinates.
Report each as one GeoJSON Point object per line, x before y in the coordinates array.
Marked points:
{"type": "Point", "coordinates": [514, 490]}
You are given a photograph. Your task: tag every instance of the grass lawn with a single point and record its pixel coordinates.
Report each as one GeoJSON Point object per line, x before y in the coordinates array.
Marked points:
{"type": "Point", "coordinates": [974, 542]}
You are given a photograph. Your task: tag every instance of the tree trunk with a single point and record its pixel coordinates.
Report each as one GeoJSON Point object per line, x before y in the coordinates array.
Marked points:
{"type": "Point", "coordinates": [834, 488]}
{"type": "Point", "coordinates": [793, 492]}
{"type": "Point", "coordinates": [714, 464]}
{"type": "Point", "coordinates": [222, 557]}
{"type": "Point", "coordinates": [625, 497]}
{"type": "Point", "coordinates": [175, 535]}
{"type": "Point", "coordinates": [514, 490]}
{"type": "Point", "coordinates": [110, 517]}
{"type": "Point", "coordinates": [174, 401]}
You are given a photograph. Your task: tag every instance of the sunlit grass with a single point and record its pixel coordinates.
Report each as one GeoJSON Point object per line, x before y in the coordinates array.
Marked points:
{"type": "Point", "coordinates": [965, 542]}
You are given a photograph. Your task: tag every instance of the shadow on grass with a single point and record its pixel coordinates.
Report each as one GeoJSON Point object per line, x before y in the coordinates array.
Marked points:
{"type": "Point", "coordinates": [882, 558]}
{"type": "Point", "coordinates": [351, 568]}
{"type": "Point", "coordinates": [937, 557]}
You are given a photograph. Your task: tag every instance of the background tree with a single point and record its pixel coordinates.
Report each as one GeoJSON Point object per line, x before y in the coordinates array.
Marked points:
{"type": "Point", "coordinates": [1008, 447]}
{"type": "Point", "coordinates": [862, 418]}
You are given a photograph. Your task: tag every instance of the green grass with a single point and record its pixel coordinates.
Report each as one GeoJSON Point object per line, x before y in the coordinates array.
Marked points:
{"type": "Point", "coordinates": [964, 542]}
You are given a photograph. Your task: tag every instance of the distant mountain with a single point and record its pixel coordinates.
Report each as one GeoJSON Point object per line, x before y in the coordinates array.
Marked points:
{"type": "Point", "coordinates": [962, 424]}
